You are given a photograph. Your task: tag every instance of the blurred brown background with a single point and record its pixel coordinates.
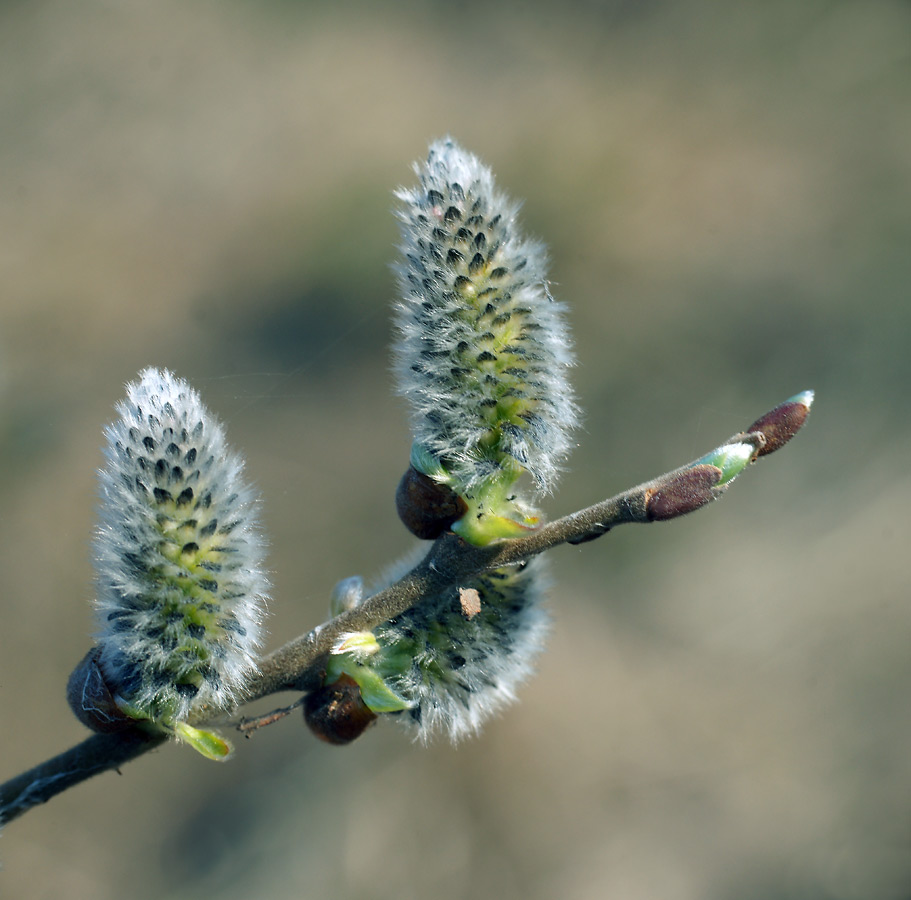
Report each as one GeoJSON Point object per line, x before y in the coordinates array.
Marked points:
{"type": "Point", "coordinates": [725, 188]}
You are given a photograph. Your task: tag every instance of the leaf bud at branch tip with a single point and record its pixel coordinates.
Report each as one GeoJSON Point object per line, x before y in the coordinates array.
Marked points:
{"type": "Point", "coordinates": [782, 423]}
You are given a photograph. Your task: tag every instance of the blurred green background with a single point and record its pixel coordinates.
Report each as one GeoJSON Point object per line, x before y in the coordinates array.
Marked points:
{"type": "Point", "coordinates": [726, 192]}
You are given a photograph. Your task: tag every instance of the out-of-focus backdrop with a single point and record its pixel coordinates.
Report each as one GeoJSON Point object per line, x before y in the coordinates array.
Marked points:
{"type": "Point", "coordinates": [726, 192]}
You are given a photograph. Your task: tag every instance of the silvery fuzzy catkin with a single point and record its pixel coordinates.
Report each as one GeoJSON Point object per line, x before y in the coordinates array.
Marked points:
{"type": "Point", "coordinates": [452, 665]}
{"type": "Point", "coordinates": [180, 583]}
{"type": "Point", "coordinates": [465, 669]}
{"type": "Point", "coordinates": [483, 350]}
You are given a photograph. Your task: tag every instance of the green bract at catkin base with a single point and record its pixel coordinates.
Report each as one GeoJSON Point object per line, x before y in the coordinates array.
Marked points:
{"type": "Point", "coordinates": [483, 350]}
{"type": "Point", "coordinates": [451, 661]}
{"type": "Point", "coordinates": [180, 583]}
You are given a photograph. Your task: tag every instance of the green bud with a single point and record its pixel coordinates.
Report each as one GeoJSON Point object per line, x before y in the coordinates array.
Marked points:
{"type": "Point", "coordinates": [732, 459]}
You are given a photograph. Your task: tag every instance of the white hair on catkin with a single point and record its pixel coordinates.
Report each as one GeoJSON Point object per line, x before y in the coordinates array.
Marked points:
{"type": "Point", "coordinates": [178, 555]}
{"type": "Point", "coordinates": [483, 349]}
{"type": "Point", "coordinates": [462, 669]}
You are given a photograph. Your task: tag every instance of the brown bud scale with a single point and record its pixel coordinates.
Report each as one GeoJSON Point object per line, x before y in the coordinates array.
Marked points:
{"type": "Point", "coordinates": [336, 713]}
{"type": "Point", "coordinates": [91, 699]}
{"type": "Point", "coordinates": [780, 425]}
{"type": "Point", "coordinates": [683, 493]}
{"type": "Point", "coordinates": [426, 507]}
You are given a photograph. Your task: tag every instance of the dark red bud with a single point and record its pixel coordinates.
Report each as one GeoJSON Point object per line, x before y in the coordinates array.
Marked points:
{"type": "Point", "coordinates": [426, 507]}
{"type": "Point", "coordinates": [684, 493]}
{"type": "Point", "coordinates": [336, 713]}
{"type": "Point", "coordinates": [780, 425]}
{"type": "Point", "coordinates": [91, 699]}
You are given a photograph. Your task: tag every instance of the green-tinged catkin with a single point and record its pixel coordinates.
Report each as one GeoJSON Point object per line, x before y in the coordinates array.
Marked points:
{"type": "Point", "coordinates": [178, 557]}
{"type": "Point", "coordinates": [483, 351]}
{"type": "Point", "coordinates": [453, 660]}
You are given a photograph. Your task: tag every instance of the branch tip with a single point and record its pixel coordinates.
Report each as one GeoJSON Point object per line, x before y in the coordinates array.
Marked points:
{"type": "Point", "coordinates": [779, 425]}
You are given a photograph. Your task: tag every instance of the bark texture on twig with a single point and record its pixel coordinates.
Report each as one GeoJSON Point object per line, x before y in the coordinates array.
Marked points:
{"type": "Point", "coordinates": [99, 753]}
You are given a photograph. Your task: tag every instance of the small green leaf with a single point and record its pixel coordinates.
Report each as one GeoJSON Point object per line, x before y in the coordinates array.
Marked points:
{"type": "Point", "coordinates": [376, 694]}
{"type": "Point", "coordinates": [360, 644]}
{"type": "Point", "coordinates": [209, 744]}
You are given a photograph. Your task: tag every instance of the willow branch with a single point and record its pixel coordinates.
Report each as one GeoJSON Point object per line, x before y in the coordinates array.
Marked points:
{"type": "Point", "coordinates": [449, 564]}
{"type": "Point", "coordinates": [96, 754]}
